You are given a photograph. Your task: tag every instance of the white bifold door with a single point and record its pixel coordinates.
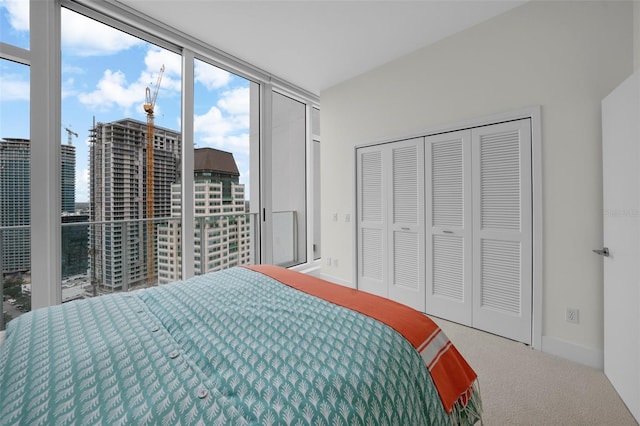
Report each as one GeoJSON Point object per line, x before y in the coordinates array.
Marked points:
{"type": "Point", "coordinates": [479, 228]}
{"type": "Point", "coordinates": [390, 228]}
{"type": "Point", "coordinates": [445, 225]}
{"type": "Point", "coordinates": [449, 226]}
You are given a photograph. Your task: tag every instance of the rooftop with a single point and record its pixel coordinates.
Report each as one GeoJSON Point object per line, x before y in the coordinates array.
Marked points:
{"type": "Point", "coordinates": [211, 159]}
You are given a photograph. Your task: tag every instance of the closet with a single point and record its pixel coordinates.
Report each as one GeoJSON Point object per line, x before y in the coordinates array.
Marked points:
{"type": "Point", "coordinates": [391, 221]}
{"type": "Point", "coordinates": [444, 225]}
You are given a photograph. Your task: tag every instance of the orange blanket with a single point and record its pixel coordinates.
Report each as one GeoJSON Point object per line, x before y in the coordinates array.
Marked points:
{"type": "Point", "coordinates": [451, 374]}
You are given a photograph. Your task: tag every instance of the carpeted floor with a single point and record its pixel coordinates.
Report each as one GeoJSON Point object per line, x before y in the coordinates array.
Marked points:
{"type": "Point", "coordinates": [522, 386]}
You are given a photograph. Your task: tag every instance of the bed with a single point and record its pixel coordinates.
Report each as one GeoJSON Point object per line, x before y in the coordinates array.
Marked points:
{"type": "Point", "coordinates": [258, 345]}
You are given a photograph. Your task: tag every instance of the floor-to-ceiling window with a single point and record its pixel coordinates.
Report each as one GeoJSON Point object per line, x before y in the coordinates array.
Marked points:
{"type": "Point", "coordinates": [315, 137]}
{"type": "Point", "coordinates": [121, 157]}
{"type": "Point", "coordinates": [221, 178]}
{"type": "Point", "coordinates": [289, 181]}
{"type": "Point", "coordinates": [127, 199]}
{"type": "Point", "coordinates": [15, 154]}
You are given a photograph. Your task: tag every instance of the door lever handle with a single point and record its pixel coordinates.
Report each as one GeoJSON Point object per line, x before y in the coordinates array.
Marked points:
{"type": "Point", "coordinates": [604, 252]}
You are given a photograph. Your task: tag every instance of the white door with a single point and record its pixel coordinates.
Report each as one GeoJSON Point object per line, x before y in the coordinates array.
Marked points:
{"type": "Point", "coordinates": [406, 223]}
{"type": "Point", "coordinates": [502, 229]}
{"type": "Point", "coordinates": [371, 220]}
{"type": "Point", "coordinates": [621, 202]}
{"type": "Point", "coordinates": [448, 230]}
{"type": "Point", "coordinates": [390, 199]}
{"type": "Point", "coordinates": [479, 228]}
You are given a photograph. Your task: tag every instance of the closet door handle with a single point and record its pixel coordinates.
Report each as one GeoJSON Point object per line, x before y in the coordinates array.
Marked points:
{"type": "Point", "coordinates": [447, 232]}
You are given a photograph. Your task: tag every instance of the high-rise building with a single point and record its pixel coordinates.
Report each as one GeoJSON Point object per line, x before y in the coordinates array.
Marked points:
{"type": "Point", "coordinates": [15, 205]}
{"type": "Point", "coordinates": [15, 209]}
{"type": "Point", "coordinates": [74, 244]}
{"type": "Point", "coordinates": [117, 197]}
{"type": "Point", "coordinates": [68, 178]}
{"type": "Point", "coordinates": [74, 255]}
{"type": "Point", "coordinates": [223, 226]}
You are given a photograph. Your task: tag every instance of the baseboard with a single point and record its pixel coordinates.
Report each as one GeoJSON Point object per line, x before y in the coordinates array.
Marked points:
{"type": "Point", "coordinates": [582, 355]}
{"type": "Point", "coordinates": [333, 279]}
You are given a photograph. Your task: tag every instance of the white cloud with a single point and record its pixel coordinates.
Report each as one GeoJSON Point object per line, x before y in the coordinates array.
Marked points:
{"type": "Point", "coordinates": [154, 60]}
{"type": "Point", "coordinates": [226, 124]}
{"type": "Point", "coordinates": [211, 124]}
{"type": "Point", "coordinates": [237, 143]}
{"type": "Point", "coordinates": [13, 87]}
{"type": "Point", "coordinates": [18, 13]}
{"type": "Point", "coordinates": [236, 101]}
{"type": "Point", "coordinates": [67, 88]}
{"type": "Point", "coordinates": [211, 77]}
{"type": "Point", "coordinates": [70, 69]}
{"type": "Point", "coordinates": [113, 90]}
{"type": "Point", "coordinates": [83, 36]}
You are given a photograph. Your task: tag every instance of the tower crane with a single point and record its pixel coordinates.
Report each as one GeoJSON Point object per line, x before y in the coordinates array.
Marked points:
{"type": "Point", "coordinates": [70, 133]}
{"type": "Point", "coordinates": [149, 105]}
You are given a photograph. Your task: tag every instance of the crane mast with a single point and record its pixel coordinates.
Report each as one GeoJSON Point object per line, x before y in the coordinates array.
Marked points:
{"type": "Point", "coordinates": [149, 106]}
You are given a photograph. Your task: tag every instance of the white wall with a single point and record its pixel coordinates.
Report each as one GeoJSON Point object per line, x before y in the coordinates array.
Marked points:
{"type": "Point", "coordinates": [563, 56]}
{"type": "Point", "coordinates": [636, 35]}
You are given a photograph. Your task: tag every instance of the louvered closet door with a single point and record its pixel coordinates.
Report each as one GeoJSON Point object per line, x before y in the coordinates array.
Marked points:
{"type": "Point", "coordinates": [448, 230]}
{"type": "Point", "coordinates": [406, 225]}
{"type": "Point", "coordinates": [502, 229]}
{"type": "Point", "coordinates": [371, 216]}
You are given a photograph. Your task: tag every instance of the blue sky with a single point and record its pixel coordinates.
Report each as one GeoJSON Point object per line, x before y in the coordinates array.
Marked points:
{"type": "Point", "coordinates": [104, 75]}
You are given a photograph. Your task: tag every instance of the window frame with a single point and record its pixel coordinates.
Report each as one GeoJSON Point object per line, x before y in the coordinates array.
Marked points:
{"type": "Point", "coordinates": [44, 58]}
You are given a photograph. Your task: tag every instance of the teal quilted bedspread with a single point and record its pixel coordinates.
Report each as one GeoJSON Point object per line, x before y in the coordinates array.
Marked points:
{"type": "Point", "coordinates": [229, 348]}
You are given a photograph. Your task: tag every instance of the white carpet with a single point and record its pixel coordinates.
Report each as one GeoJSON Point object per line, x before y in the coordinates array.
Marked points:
{"type": "Point", "coordinates": [522, 386]}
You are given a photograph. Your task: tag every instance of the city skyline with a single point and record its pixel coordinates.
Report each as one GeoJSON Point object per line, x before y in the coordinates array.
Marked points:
{"type": "Point", "coordinates": [104, 78]}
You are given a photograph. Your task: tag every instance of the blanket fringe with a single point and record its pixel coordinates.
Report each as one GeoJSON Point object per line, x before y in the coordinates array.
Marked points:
{"type": "Point", "coordinates": [467, 410]}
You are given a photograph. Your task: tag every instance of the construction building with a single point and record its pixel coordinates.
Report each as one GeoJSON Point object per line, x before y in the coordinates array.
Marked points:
{"type": "Point", "coordinates": [222, 222]}
{"type": "Point", "coordinates": [118, 253]}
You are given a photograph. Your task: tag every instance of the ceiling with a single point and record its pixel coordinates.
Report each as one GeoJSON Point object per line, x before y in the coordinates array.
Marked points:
{"type": "Point", "coordinates": [316, 44]}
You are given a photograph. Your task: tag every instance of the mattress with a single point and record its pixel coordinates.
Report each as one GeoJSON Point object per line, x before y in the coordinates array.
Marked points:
{"type": "Point", "coordinates": [234, 347]}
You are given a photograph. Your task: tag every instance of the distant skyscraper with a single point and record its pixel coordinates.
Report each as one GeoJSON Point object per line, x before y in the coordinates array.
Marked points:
{"type": "Point", "coordinates": [74, 245]}
{"type": "Point", "coordinates": [117, 158]}
{"type": "Point", "coordinates": [222, 225]}
{"type": "Point", "coordinates": [15, 204]}
{"type": "Point", "coordinates": [74, 238]}
{"type": "Point", "coordinates": [68, 178]}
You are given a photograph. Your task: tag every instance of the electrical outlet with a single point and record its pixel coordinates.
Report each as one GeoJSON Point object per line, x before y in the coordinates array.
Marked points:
{"type": "Point", "coordinates": [335, 263]}
{"type": "Point", "coordinates": [328, 261]}
{"type": "Point", "coordinates": [572, 315]}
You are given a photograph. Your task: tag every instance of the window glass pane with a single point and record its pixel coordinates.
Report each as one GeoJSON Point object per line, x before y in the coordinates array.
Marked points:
{"type": "Point", "coordinates": [14, 22]}
{"type": "Point", "coordinates": [289, 181]}
{"type": "Point", "coordinates": [317, 211]}
{"type": "Point", "coordinates": [121, 105]}
{"type": "Point", "coordinates": [15, 153]}
{"type": "Point", "coordinates": [223, 225]}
